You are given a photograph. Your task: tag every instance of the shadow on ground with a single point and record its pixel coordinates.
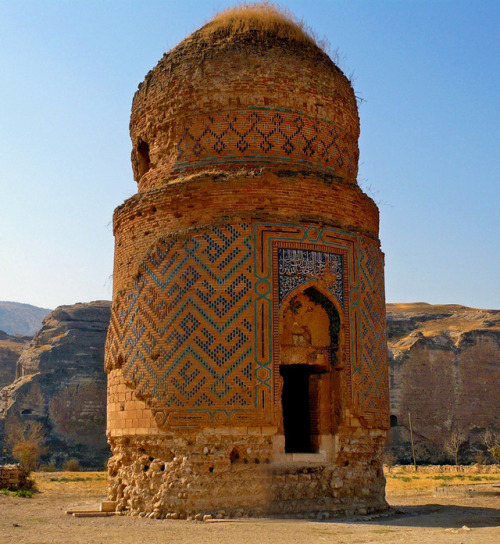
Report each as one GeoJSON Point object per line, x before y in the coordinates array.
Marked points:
{"type": "Point", "coordinates": [434, 515]}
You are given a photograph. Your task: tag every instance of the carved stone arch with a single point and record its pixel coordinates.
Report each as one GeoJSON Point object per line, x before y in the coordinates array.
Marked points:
{"type": "Point", "coordinates": [318, 285]}
{"type": "Point", "coordinates": [335, 304]}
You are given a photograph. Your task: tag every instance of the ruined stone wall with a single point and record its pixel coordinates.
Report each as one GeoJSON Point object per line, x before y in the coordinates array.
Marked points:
{"type": "Point", "coordinates": [12, 477]}
{"type": "Point", "coordinates": [226, 472]}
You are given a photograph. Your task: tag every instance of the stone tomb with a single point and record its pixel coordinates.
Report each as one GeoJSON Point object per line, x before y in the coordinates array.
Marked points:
{"type": "Point", "coordinates": [246, 356]}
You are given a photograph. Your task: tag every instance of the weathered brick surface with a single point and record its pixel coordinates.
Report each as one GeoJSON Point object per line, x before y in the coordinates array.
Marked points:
{"type": "Point", "coordinates": [214, 197]}
{"type": "Point", "coordinates": [245, 153]}
{"type": "Point", "coordinates": [239, 101]}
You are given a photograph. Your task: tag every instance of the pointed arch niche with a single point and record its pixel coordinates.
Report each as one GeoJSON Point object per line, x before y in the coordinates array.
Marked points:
{"type": "Point", "coordinates": [310, 333]}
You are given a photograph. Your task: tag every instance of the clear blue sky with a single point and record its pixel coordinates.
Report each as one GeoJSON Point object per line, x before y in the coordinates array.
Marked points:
{"type": "Point", "coordinates": [429, 74]}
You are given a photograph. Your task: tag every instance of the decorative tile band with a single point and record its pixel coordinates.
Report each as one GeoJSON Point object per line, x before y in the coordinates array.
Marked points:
{"type": "Point", "coordinates": [266, 136]}
{"type": "Point", "coordinates": [185, 329]}
{"type": "Point", "coordinates": [288, 256]}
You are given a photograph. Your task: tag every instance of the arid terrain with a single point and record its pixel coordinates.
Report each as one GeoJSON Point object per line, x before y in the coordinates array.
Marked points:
{"type": "Point", "coordinates": [466, 509]}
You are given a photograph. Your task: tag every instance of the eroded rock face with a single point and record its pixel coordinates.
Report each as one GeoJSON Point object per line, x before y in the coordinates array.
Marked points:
{"type": "Point", "coordinates": [11, 347]}
{"type": "Point", "coordinates": [61, 383]}
{"type": "Point", "coordinates": [444, 371]}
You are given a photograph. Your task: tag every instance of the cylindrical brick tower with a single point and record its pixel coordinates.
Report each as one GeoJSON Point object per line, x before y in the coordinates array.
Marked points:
{"type": "Point", "coordinates": [246, 356]}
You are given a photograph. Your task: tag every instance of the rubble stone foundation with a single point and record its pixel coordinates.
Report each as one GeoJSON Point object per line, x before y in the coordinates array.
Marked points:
{"type": "Point", "coordinates": [224, 473]}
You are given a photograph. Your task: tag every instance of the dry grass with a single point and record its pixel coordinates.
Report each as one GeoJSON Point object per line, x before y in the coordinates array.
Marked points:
{"type": "Point", "coordinates": [430, 520]}
{"type": "Point", "coordinates": [423, 480]}
{"type": "Point", "coordinates": [73, 484]}
{"type": "Point", "coordinates": [262, 18]}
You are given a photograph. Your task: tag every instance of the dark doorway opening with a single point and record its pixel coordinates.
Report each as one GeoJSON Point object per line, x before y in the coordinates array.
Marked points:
{"type": "Point", "coordinates": [296, 400]}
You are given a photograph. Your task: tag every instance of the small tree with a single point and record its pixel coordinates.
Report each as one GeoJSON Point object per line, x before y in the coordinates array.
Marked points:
{"type": "Point", "coordinates": [453, 444]}
{"type": "Point", "coordinates": [26, 441]}
{"type": "Point", "coordinates": [492, 442]}
{"type": "Point", "coordinates": [490, 438]}
{"type": "Point", "coordinates": [72, 465]}
{"type": "Point", "coordinates": [389, 460]}
{"type": "Point", "coordinates": [495, 451]}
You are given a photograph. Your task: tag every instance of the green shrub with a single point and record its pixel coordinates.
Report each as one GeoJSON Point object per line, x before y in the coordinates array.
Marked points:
{"type": "Point", "coordinates": [26, 493]}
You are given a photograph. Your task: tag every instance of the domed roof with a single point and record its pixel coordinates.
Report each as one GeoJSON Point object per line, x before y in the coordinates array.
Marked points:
{"type": "Point", "coordinates": [250, 88]}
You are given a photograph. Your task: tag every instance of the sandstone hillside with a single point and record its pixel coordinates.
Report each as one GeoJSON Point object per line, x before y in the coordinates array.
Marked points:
{"type": "Point", "coordinates": [444, 371]}
{"type": "Point", "coordinates": [61, 383]}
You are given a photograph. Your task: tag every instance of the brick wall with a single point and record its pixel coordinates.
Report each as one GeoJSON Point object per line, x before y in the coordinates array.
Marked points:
{"type": "Point", "coordinates": [12, 477]}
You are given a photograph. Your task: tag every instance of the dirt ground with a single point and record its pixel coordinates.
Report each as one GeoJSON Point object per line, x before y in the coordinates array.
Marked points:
{"type": "Point", "coordinates": [464, 510]}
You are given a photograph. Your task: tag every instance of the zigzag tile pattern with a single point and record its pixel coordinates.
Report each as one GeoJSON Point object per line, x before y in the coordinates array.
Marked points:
{"type": "Point", "coordinates": [375, 387]}
{"type": "Point", "coordinates": [266, 136]}
{"type": "Point", "coordinates": [183, 333]}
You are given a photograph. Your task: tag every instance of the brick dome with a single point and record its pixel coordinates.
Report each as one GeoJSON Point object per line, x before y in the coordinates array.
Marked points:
{"type": "Point", "coordinates": [198, 108]}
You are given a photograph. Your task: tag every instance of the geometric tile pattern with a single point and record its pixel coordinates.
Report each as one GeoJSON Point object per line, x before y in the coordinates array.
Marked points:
{"type": "Point", "coordinates": [374, 380]}
{"type": "Point", "coordinates": [266, 135]}
{"type": "Point", "coordinates": [197, 335]}
{"type": "Point", "coordinates": [184, 331]}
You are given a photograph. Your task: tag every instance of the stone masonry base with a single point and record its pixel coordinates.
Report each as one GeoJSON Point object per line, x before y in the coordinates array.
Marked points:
{"type": "Point", "coordinates": [188, 475]}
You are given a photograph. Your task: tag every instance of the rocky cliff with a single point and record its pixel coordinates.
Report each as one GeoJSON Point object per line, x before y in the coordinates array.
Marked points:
{"type": "Point", "coordinates": [11, 347]}
{"type": "Point", "coordinates": [445, 372]}
{"type": "Point", "coordinates": [61, 383]}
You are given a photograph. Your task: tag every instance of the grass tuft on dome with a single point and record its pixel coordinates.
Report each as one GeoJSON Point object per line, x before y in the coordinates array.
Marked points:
{"type": "Point", "coordinates": [262, 18]}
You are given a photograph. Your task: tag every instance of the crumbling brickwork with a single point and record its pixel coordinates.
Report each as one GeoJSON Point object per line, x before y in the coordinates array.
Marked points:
{"type": "Point", "coordinates": [12, 477]}
{"type": "Point", "coordinates": [246, 356]}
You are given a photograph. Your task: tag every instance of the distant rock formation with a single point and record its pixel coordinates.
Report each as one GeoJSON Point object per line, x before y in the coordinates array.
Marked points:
{"type": "Point", "coordinates": [11, 347]}
{"type": "Point", "coordinates": [24, 319]}
{"type": "Point", "coordinates": [61, 383]}
{"type": "Point", "coordinates": [444, 365]}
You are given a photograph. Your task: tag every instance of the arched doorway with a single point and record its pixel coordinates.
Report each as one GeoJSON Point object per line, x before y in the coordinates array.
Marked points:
{"type": "Point", "coordinates": [309, 339]}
